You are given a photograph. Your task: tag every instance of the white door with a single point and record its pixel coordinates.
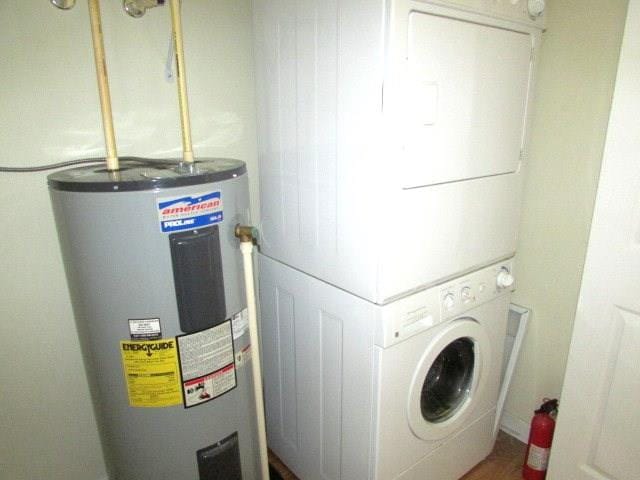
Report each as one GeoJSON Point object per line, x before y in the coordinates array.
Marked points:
{"type": "Point", "coordinates": [598, 432]}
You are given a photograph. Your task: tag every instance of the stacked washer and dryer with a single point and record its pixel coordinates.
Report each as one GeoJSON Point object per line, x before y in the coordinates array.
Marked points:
{"type": "Point", "coordinates": [392, 135]}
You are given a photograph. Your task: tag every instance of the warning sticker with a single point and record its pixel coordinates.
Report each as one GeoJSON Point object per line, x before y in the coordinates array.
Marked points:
{"type": "Point", "coordinates": [189, 211]}
{"type": "Point", "coordinates": [207, 364]}
{"type": "Point", "coordinates": [145, 328]}
{"type": "Point", "coordinates": [240, 323]}
{"type": "Point", "coordinates": [151, 372]}
{"type": "Point", "coordinates": [208, 387]}
{"type": "Point", "coordinates": [538, 458]}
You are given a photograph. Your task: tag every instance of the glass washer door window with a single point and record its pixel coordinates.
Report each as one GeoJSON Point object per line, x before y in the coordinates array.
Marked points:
{"type": "Point", "coordinates": [449, 381]}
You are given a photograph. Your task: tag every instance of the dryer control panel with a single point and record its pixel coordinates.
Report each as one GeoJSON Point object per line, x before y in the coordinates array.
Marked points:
{"type": "Point", "coordinates": [416, 313]}
{"type": "Point", "coordinates": [524, 11]}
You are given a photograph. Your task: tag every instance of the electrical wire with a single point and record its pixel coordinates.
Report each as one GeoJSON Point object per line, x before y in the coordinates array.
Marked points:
{"type": "Point", "coordinates": [52, 166]}
{"type": "Point", "coordinates": [71, 163]}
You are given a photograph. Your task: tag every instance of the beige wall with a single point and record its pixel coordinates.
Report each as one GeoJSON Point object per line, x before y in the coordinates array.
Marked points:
{"type": "Point", "coordinates": [576, 76]}
{"type": "Point", "coordinates": [48, 113]}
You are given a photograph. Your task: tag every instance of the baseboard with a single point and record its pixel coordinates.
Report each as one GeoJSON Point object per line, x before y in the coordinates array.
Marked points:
{"type": "Point", "coordinates": [515, 427]}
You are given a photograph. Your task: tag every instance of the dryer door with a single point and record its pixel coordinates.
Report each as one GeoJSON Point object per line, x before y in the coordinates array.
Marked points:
{"type": "Point", "coordinates": [467, 99]}
{"type": "Point", "coordinates": [448, 380]}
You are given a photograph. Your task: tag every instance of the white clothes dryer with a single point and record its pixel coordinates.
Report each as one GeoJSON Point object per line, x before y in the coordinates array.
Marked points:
{"type": "Point", "coordinates": [392, 135]}
{"type": "Point", "coordinates": [358, 391]}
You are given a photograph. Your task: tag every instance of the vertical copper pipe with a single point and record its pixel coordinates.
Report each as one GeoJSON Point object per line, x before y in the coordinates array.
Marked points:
{"type": "Point", "coordinates": [103, 86]}
{"type": "Point", "coordinates": [176, 24]}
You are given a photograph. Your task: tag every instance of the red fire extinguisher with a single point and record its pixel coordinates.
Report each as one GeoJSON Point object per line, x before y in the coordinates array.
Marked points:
{"type": "Point", "coordinates": [543, 424]}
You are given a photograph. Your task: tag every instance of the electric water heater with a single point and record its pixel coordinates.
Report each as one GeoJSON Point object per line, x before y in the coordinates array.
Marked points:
{"type": "Point", "coordinates": [155, 276]}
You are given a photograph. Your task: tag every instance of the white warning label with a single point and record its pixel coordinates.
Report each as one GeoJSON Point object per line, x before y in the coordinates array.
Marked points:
{"type": "Point", "coordinates": [145, 328]}
{"type": "Point", "coordinates": [240, 323]}
{"type": "Point", "coordinates": [538, 458]}
{"type": "Point", "coordinates": [207, 364]}
{"type": "Point", "coordinates": [208, 387]}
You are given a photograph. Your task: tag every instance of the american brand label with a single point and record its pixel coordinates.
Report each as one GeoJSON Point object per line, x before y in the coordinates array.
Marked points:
{"type": "Point", "coordinates": [189, 211]}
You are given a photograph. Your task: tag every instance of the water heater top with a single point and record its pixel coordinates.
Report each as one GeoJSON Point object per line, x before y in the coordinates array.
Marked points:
{"type": "Point", "coordinates": [145, 174]}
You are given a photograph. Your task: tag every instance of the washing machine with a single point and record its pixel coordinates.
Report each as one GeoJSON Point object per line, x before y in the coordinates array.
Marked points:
{"type": "Point", "coordinates": [407, 390]}
{"type": "Point", "coordinates": [392, 135]}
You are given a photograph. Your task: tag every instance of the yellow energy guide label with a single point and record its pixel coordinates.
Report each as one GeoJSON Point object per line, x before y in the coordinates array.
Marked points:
{"type": "Point", "coordinates": [152, 372]}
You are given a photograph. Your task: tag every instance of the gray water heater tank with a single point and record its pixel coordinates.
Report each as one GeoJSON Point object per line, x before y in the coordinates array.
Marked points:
{"type": "Point", "coordinates": [155, 276]}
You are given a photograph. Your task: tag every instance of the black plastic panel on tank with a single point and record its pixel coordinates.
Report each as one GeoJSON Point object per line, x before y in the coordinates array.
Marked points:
{"type": "Point", "coordinates": [220, 461]}
{"type": "Point", "coordinates": [197, 273]}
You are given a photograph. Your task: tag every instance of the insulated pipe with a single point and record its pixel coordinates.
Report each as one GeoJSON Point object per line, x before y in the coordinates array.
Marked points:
{"type": "Point", "coordinates": [103, 86]}
{"type": "Point", "coordinates": [245, 234]}
{"type": "Point", "coordinates": [176, 26]}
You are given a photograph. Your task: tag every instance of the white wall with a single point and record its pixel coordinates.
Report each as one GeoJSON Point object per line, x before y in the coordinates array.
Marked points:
{"type": "Point", "coordinates": [575, 84]}
{"type": "Point", "coordinates": [48, 113]}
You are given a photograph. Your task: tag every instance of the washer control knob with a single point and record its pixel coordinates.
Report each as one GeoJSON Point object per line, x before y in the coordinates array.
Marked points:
{"type": "Point", "coordinates": [504, 279]}
{"type": "Point", "coordinates": [448, 301]}
{"type": "Point", "coordinates": [465, 294]}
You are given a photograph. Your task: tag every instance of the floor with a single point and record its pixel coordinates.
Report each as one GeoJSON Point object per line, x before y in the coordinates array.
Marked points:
{"type": "Point", "coordinates": [504, 463]}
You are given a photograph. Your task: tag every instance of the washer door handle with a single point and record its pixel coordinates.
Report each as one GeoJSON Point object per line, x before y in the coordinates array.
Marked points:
{"type": "Point", "coordinates": [416, 326]}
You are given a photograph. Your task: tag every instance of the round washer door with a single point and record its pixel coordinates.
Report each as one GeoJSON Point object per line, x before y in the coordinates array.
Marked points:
{"type": "Point", "coordinates": [448, 379]}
